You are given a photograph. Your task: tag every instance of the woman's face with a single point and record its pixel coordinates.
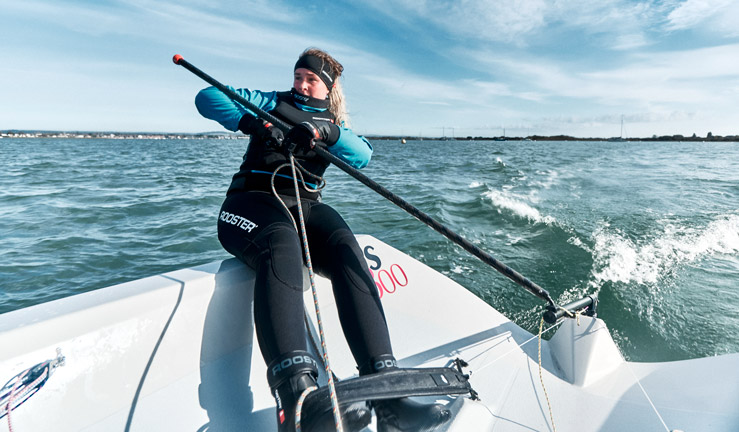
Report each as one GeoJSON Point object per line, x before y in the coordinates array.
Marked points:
{"type": "Point", "coordinates": [307, 83]}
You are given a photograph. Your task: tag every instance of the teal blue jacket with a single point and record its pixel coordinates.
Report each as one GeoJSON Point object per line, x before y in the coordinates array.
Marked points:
{"type": "Point", "coordinates": [215, 105]}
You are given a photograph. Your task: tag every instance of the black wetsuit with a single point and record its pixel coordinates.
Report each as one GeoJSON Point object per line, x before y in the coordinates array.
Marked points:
{"type": "Point", "coordinates": [255, 227]}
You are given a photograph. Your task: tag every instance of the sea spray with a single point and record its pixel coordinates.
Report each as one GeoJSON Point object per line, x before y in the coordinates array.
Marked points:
{"type": "Point", "coordinates": [506, 201]}
{"type": "Point", "coordinates": [647, 260]}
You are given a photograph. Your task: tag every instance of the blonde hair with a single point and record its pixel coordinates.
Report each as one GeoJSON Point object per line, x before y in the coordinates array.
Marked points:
{"type": "Point", "coordinates": [336, 99]}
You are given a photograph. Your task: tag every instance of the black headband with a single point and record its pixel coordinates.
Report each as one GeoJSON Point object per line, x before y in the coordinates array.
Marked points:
{"type": "Point", "coordinates": [319, 67]}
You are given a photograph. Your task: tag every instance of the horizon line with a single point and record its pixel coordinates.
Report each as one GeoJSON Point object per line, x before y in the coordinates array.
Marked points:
{"type": "Point", "coordinates": [23, 133]}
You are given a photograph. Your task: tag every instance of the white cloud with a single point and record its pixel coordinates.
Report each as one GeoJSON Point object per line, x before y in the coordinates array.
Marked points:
{"type": "Point", "coordinates": [88, 19]}
{"type": "Point", "coordinates": [522, 23]}
{"type": "Point", "coordinates": [660, 92]}
{"type": "Point", "coordinates": [503, 20]}
{"type": "Point", "coordinates": [690, 76]}
{"type": "Point", "coordinates": [627, 42]}
{"type": "Point", "coordinates": [691, 13]}
{"type": "Point", "coordinates": [254, 24]}
{"type": "Point", "coordinates": [608, 16]}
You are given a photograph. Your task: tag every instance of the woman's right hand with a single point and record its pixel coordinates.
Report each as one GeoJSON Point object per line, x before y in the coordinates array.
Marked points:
{"type": "Point", "coordinates": [263, 130]}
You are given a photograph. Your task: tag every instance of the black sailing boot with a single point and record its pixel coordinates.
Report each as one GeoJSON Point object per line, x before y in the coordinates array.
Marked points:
{"type": "Point", "coordinates": [394, 415]}
{"type": "Point", "coordinates": [291, 374]}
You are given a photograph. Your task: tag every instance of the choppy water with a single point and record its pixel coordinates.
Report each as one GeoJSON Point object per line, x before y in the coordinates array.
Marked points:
{"type": "Point", "coordinates": [653, 228]}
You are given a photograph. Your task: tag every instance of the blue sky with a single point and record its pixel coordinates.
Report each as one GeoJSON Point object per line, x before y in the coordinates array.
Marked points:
{"type": "Point", "coordinates": [411, 66]}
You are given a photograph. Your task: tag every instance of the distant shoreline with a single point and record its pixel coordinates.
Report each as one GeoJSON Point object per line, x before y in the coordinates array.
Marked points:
{"type": "Point", "coordinates": [12, 133]}
{"type": "Point", "coordinates": [119, 135]}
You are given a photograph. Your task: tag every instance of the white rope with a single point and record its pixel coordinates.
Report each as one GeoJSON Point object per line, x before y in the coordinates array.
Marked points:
{"type": "Point", "coordinates": [647, 396]}
{"type": "Point", "coordinates": [309, 264]}
{"type": "Point", "coordinates": [514, 349]}
{"type": "Point", "coordinates": [11, 398]}
{"type": "Point", "coordinates": [541, 377]}
{"type": "Point", "coordinates": [517, 348]}
{"type": "Point", "coordinates": [16, 391]}
{"type": "Point", "coordinates": [576, 316]}
{"type": "Point", "coordinates": [320, 185]}
{"type": "Point", "coordinates": [299, 406]}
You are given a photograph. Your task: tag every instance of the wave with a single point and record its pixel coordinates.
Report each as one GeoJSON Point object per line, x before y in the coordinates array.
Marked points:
{"type": "Point", "coordinates": [521, 205]}
{"type": "Point", "coordinates": [549, 179]}
{"type": "Point", "coordinates": [618, 258]}
{"type": "Point", "coordinates": [516, 204]}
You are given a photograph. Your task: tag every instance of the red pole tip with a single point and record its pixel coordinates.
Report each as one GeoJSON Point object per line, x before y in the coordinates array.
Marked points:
{"type": "Point", "coordinates": [176, 59]}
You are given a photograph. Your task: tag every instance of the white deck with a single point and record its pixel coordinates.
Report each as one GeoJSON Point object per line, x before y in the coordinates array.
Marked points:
{"type": "Point", "coordinates": [178, 352]}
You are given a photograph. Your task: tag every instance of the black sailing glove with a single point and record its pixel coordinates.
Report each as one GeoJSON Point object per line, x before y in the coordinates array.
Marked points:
{"type": "Point", "coordinates": [303, 137]}
{"type": "Point", "coordinates": [263, 130]}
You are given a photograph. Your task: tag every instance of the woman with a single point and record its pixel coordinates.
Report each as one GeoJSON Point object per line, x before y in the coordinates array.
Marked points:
{"type": "Point", "coordinates": [255, 227]}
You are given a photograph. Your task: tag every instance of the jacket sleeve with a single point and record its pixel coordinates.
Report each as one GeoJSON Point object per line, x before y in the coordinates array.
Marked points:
{"type": "Point", "coordinates": [352, 149]}
{"type": "Point", "coordinates": [215, 105]}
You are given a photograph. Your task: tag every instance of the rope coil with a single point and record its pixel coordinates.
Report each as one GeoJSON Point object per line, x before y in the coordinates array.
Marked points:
{"type": "Point", "coordinates": [25, 384]}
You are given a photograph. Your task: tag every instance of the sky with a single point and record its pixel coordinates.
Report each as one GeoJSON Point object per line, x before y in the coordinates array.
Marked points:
{"type": "Point", "coordinates": [412, 67]}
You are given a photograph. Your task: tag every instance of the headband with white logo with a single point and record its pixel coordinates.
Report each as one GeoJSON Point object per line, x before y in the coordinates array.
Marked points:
{"type": "Point", "coordinates": [319, 67]}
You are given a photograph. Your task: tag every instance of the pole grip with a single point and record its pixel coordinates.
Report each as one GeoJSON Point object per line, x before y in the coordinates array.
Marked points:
{"type": "Point", "coordinates": [554, 313]}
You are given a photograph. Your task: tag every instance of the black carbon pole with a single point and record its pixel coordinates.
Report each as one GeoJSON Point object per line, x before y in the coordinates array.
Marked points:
{"type": "Point", "coordinates": [438, 227]}
{"type": "Point", "coordinates": [395, 199]}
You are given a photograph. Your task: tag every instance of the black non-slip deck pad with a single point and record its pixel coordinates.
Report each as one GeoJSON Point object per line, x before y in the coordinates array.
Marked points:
{"type": "Point", "coordinates": [392, 384]}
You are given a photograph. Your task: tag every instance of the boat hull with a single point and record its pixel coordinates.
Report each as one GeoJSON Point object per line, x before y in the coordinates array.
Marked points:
{"type": "Point", "coordinates": [178, 352]}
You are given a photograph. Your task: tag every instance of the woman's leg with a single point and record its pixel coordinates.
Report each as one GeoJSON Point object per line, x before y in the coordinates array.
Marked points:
{"type": "Point", "coordinates": [255, 228]}
{"type": "Point", "coordinates": [337, 255]}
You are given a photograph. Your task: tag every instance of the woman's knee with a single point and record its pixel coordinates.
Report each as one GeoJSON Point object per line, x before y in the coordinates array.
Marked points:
{"type": "Point", "coordinates": [282, 249]}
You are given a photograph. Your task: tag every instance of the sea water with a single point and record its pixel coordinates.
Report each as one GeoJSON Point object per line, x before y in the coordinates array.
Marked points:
{"type": "Point", "coordinates": [651, 227]}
